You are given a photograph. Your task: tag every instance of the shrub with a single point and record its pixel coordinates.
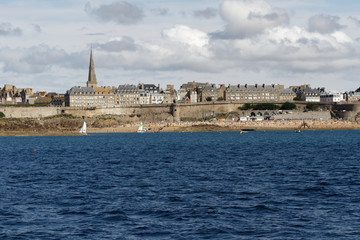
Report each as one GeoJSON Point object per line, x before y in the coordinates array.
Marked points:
{"type": "Point", "coordinates": [266, 106]}
{"type": "Point", "coordinates": [209, 99]}
{"type": "Point", "coordinates": [246, 106]}
{"type": "Point", "coordinates": [288, 106]}
{"type": "Point", "coordinates": [312, 106]}
{"type": "Point", "coordinates": [2, 115]}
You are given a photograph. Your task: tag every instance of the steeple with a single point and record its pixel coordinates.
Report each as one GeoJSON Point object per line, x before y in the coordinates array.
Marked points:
{"type": "Point", "coordinates": [92, 77]}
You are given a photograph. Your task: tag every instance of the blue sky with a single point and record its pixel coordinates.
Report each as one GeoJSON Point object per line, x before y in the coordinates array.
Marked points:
{"type": "Point", "coordinates": [45, 44]}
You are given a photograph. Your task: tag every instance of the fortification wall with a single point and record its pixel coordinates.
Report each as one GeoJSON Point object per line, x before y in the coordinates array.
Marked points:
{"type": "Point", "coordinates": [29, 112]}
{"type": "Point", "coordinates": [174, 112]}
{"type": "Point", "coordinates": [202, 110]}
{"type": "Point", "coordinates": [144, 113]}
{"type": "Point", "coordinates": [347, 111]}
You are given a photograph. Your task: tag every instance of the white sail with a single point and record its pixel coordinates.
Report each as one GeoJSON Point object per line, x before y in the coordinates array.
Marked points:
{"type": "Point", "coordinates": [141, 128]}
{"type": "Point", "coordinates": [83, 129]}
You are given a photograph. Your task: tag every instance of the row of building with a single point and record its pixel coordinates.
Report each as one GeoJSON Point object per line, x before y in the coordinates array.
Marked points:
{"type": "Point", "coordinates": [92, 95]}
{"type": "Point", "coordinates": [9, 94]}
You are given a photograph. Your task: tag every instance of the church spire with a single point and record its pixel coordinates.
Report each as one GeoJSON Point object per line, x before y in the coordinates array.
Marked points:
{"type": "Point", "coordinates": [92, 77]}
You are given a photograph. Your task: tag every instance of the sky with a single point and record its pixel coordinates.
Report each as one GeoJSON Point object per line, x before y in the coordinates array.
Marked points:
{"type": "Point", "coordinates": [45, 44]}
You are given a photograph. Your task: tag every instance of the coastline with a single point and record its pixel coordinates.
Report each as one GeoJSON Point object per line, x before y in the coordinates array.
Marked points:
{"type": "Point", "coordinates": [194, 127]}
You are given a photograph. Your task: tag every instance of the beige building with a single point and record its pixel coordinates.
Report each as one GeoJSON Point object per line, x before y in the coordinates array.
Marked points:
{"type": "Point", "coordinates": [9, 94]}
{"type": "Point", "coordinates": [253, 93]}
{"type": "Point", "coordinates": [212, 92]}
{"type": "Point", "coordinates": [286, 95]}
{"type": "Point", "coordinates": [127, 95]}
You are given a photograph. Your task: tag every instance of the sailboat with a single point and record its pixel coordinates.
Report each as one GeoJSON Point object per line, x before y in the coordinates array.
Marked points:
{"type": "Point", "coordinates": [141, 128]}
{"type": "Point", "coordinates": [83, 129]}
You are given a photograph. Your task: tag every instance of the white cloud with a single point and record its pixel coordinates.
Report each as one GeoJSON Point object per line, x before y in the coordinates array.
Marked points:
{"type": "Point", "coordinates": [246, 18]}
{"type": "Point", "coordinates": [119, 12]}
{"type": "Point", "coordinates": [6, 29]}
{"type": "Point", "coordinates": [206, 13]}
{"type": "Point", "coordinates": [186, 35]}
{"type": "Point", "coordinates": [324, 24]}
{"type": "Point", "coordinates": [37, 28]}
{"type": "Point", "coordinates": [117, 45]}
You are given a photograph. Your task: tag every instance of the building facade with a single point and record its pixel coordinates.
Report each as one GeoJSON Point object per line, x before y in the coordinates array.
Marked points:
{"type": "Point", "coordinates": [127, 95]}
{"type": "Point", "coordinates": [253, 93]}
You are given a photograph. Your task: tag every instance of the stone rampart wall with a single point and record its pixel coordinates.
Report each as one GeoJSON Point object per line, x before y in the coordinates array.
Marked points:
{"type": "Point", "coordinates": [29, 112]}
{"type": "Point", "coordinates": [154, 113]}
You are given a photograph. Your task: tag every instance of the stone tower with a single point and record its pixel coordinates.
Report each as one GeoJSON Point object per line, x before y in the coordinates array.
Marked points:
{"type": "Point", "coordinates": [92, 77]}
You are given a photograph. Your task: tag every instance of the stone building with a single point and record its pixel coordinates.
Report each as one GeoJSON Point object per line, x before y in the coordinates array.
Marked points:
{"type": "Point", "coordinates": [253, 93]}
{"type": "Point", "coordinates": [90, 97]}
{"type": "Point", "coordinates": [352, 96]}
{"type": "Point", "coordinates": [127, 95]}
{"type": "Point", "coordinates": [286, 95]}
{"type": "Point", "coordinates": [170, 94]}
{"type": "Point", "coordinates": [150, 94]}
{"type": "Point", "coordinates": [9, 94]}
{"type": "Point", "coordinates": [310, 95]}
{"type": "Point", "coordinates": [211, 91]}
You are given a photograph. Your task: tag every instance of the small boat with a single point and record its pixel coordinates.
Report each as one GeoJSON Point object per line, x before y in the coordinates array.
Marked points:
{"type": "Point", "coordinates": [141, 129]}
{"type": "Point", "coordinates": [83, 129]}
{"type": "Point", "coordinates": [298, 131]}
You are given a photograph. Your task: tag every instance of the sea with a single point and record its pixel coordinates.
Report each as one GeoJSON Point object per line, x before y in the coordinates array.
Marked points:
{"type": "Point", "coordinates": [204, 185]}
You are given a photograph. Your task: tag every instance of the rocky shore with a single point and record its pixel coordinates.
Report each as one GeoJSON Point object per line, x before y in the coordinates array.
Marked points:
{"type": "Point", "coordinates": [68, 125]}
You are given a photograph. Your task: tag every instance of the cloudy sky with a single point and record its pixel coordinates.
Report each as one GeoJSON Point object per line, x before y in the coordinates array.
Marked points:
{"type": "Point", "coordinates": [45, 44]}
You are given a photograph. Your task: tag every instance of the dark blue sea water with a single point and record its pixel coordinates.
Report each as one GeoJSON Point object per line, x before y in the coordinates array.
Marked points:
{"type": "Point", "coordinates": [257, 185]}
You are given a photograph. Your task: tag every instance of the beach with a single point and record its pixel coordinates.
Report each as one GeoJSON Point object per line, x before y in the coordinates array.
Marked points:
{"type": "Point", "coordinates": [65, 127]}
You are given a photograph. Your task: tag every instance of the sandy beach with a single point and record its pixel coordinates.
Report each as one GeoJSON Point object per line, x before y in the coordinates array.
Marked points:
{"type": "Point", "coordinates": [191, 126]}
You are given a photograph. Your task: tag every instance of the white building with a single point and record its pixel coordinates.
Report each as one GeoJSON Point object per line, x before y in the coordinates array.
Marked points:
{"type": "Point", "coordinates": [157, 98]}
{"type": "Point", "coordinates": [331, 97]}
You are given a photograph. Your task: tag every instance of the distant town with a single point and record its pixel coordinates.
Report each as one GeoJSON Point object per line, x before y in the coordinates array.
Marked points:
{"type": "Point", "coordinates": [93, 95]}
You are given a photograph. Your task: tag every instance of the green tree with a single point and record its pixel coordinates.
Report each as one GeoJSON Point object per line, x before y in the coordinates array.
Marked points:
{"type": "Point", "coordinates": [208, 99]}
{"type": "Point", "coordinates": [246, 106]}
{"type": "Point", "coordinates": [298, 99]}
{"type": "Point", "coordinates": [266, 106]}
{"type": "Point", "coordinates": [220, 99]}
{"type": "Point", "coordinates": [312, 106]}
{"type": "Point", "coordinates": [2, 115]}
{"type": "Point", "coordinates": [288, 106]}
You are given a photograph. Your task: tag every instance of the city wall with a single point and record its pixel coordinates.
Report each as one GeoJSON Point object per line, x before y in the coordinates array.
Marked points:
{"type": "Point", "coordinates": [347, 111]}
{"type": "Point", "coordinates": [168, 112]}
{"type": "Point", "coordinates": [30, 112]}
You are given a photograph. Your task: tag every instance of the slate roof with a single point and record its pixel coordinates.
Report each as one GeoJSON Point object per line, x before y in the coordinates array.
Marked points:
{"type": "Point", "coordinates": [287, 91]}
{"type": "Point", "coordinates": [127, 88]}
{"type": "Point", "coordinates": [210, 88]}
{"type": "Point", "coordinates": [81, 90]}
{"type": "Point", "coordinates": [251, 88]}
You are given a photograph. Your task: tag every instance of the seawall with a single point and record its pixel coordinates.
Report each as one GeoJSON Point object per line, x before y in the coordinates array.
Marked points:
{"type": "Point", "coordinates": [171, 112]}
